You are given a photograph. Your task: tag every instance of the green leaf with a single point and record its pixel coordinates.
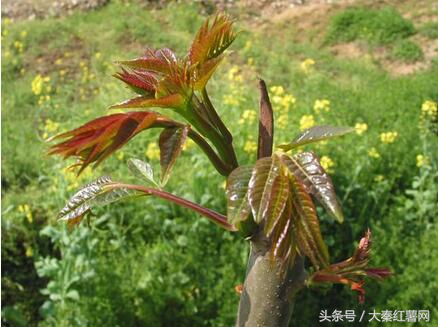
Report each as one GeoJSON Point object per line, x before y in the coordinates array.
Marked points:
{"type": "Point", "coordinates": [96, 193]}
{"type": "Point", "coordinates": [268, 191]}
{"type": "Point", "coordinates": [238, 207]}
{"type": "Point", "coordinates": [142, 170]}
{"type": "Point", "coordinates": [307, 168]}
{"type": "Point", "coordinates": [306, 225]}
{"type": "Point", "coordinates": [171, 143]}
{"type": "Point", "coordinates": [315, 134]}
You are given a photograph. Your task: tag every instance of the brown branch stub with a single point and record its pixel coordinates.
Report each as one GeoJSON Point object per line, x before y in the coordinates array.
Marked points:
{"type": "Point", "coordinates": [266, 123]}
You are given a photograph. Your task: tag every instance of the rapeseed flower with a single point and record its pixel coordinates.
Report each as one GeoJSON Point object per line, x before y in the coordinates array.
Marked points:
{"type": "Point", "coordinates": [422, 160]}
{"type": "Point", "coordinates": [153, 151]}
{"type": "Point", "coordinates": [248, 117]}
{"type": "Point", "coordinates": [306, 122]}
{"type": "Point", "coordinates": [307, 65]}
{"type": "Point", "coordinates": [373, 153]}
{"type": "Point", "coordinates": [327, 164]}
{"type": "Point", "coordinates": [429, 108]}
{"type": "Point", "coordinates": [321, 105]}
{"type": "Point", "coordinates": [388, 137]}
{"type": "Point", "coordinates": [360, 128]}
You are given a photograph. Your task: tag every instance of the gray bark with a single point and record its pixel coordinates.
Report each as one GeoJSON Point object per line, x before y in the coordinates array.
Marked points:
{"type": "Point", "coordinates": [268, 294]}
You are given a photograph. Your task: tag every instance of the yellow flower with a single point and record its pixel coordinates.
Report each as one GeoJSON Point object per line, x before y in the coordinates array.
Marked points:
{"type": "Point", "coordinates": [327, 164]}
{"type": "Point", "coordinates": [29, 251]}
{"type": "Point", "coordinates": [248, 117]}
{"type": "Point", "coordinates": [231, 100]}
{"type": "Point", "coordinates": [422, 160]}
{"type": "Point", "coordinates": [388, 137]}
{"type": "Point", "coordinates": [373, 153]}
{"type": "Point", "coordinates": [250, 61]}
{"type": "Point", "coordinates": [429, 108]}
{"type": "Point", "coordinates": [6, 21]}
{"type": "Point", "coordinates": [120, 156]}
{"type": "Point", "coordinates": [321, 105]}
{"type": "Point", "coordinates": [250, 146]}
{"type": "Point", "coordinates": [360, 128]}
{"type": "Point", "coordinates": [379, 178]}
{"type": "Point", "coordinates": [277, 90]}
{"type": "Point", "coordinates": [97, 55]}
{"type": "Point", "coordinates": [188, 144]}
{"type": "Point", "coordinates": [248, 46]}
{"type": "Point", "coordinates": [282, 121]}
{"type": "Point", "coordinates": [51, 126]}
{"type": "Point", "coordinates": [153, 151]}
{"type": "Point", "coordinates": [23, 34]}
{"type": "Point", "coordinates": [306, 122]}
{"type": "Point", "coordinates": [25, 209]}
{"type": "Point", "coordinates": [233, 72]}
{"type": "Point", "coordinates": [18, 45]}
{"type": "Point", "coordinates": [307, 65]}
{"type": "Point", "coordinates": [37, 85]}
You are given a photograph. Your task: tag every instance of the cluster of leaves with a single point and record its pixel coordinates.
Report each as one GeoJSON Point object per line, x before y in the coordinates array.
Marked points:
{"type": "Point", "coordinates": [162, 80]}
{"type": "Point", "coordinates": [275, 195]}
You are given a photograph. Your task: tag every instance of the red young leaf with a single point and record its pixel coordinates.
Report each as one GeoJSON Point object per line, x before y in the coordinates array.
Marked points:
{"type": "Point", "coordinates": [99, 138]}
{"type": "Point", "coordinates": [171, 101]}
{"type": "Point", "coordinates": [212, 41]}
{"type": "Point", "coordinates": [171, 143]}
{"type": "Point", "coordinates": [283, 241]}
{"type": "Point", "coordinates": [268, 191]}
{"type": "Point", "coordinates": [141, 82]}
{"type": "Point", "coordinates": [307, 168]}
{"type": "Point", "coordinates": [158, 61]}
{"type": "Point", "coordinates": [306, 225]}
{"type": "Point", "coordinates": [353, 270]}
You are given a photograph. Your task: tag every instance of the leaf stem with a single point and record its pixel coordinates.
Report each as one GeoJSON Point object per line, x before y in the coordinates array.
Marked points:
{"type": "Point", "coordinates": [214, 216]}
{"type": "Point", "coordinates": [222, 168]}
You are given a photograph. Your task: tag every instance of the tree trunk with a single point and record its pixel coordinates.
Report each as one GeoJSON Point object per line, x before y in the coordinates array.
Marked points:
{"type": "Point", "coordinates": [268, 293]}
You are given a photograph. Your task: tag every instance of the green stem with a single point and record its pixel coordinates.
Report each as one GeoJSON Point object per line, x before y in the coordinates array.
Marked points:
{"type": "Point", "coordinates": [212, 134]}
{"type": "Point", "coordinates": [220, 125]}
{"type": "Point", "coordinates": [215, 117]}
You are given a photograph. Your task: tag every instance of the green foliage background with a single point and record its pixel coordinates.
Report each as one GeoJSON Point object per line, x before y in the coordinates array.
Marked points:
{"type": "Point", "coordinates": [148, 263]}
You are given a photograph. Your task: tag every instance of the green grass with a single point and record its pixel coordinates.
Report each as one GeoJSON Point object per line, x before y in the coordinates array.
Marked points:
{"type": "Point", "coordinates": [148, 263]}
{"type": "Point", "coordinates": [374, 26]}
{"type": "Point", "coordinates": [407, 51]}
{"type": "Point", "coordinates": [429, 30]}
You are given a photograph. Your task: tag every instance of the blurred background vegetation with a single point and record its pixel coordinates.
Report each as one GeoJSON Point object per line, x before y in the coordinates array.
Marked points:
{"type": "Point", "coordinates": [147, 263]}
